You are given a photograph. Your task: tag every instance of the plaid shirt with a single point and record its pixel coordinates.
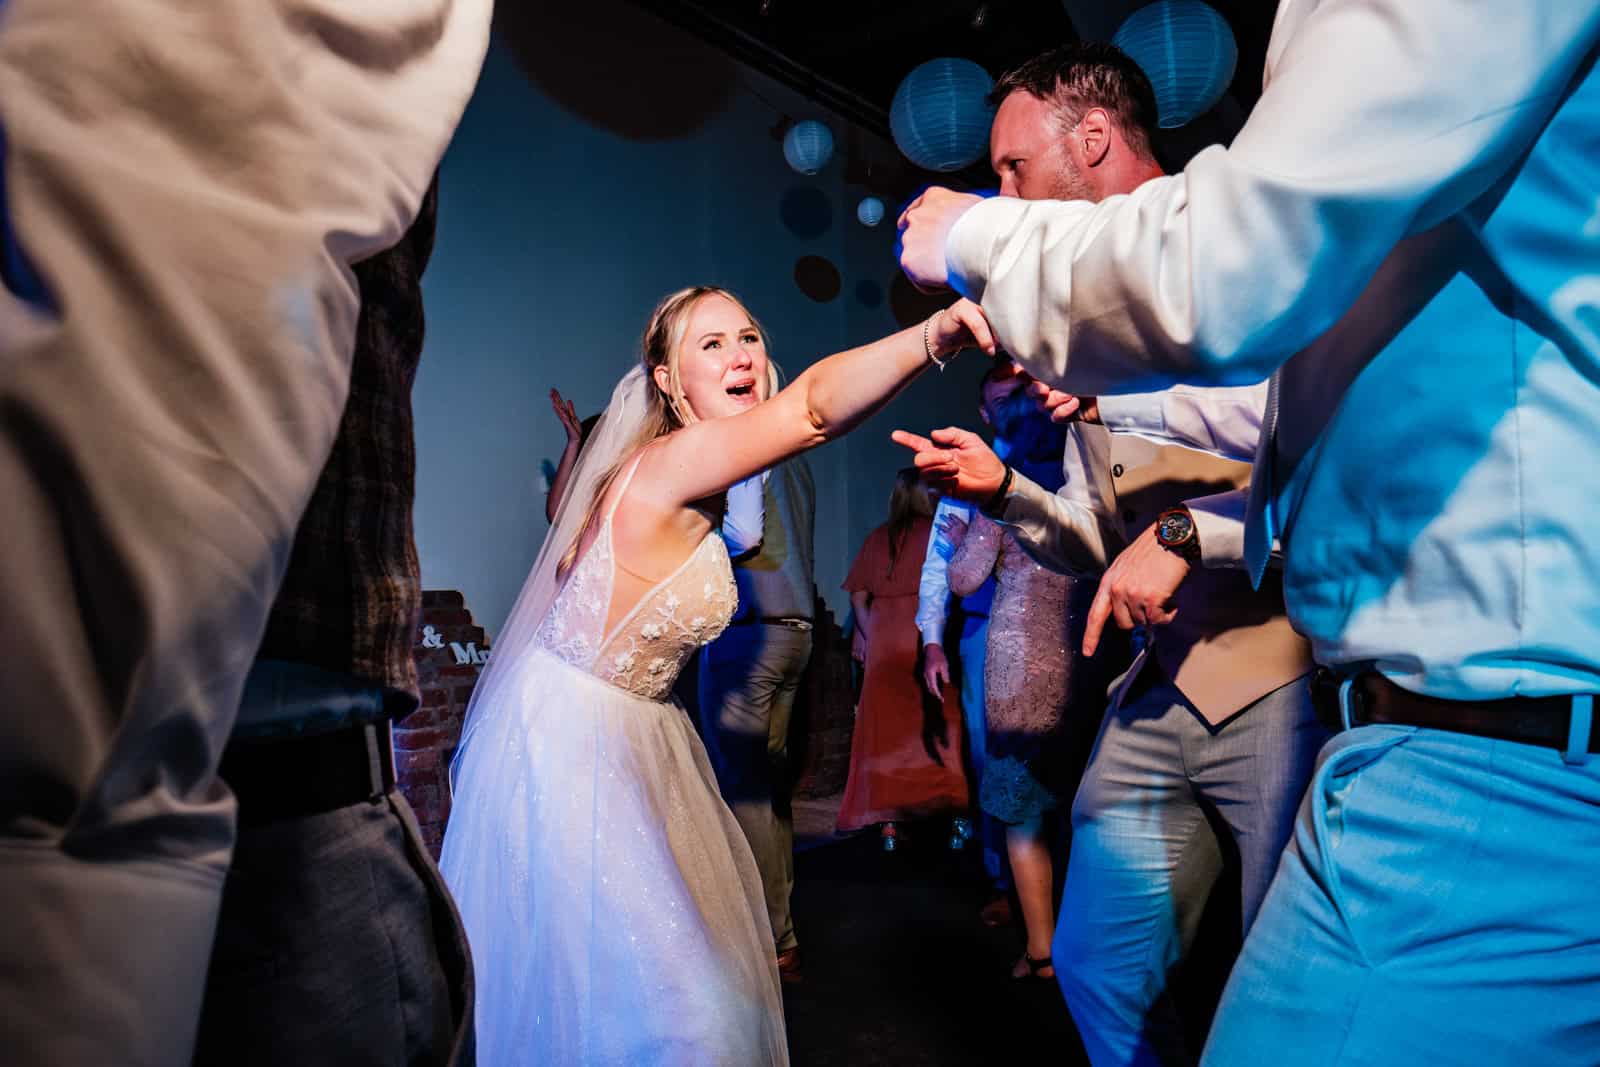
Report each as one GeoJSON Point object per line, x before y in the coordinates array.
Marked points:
{"type": "Point", "coordinates": [351, 597]}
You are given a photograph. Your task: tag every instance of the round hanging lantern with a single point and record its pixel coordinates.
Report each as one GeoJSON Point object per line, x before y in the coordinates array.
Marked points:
{"type": "Point", "coordinates": [808, 146]}
{"type": "Point", "coordinates": [1188, 52]}
{"type": "Point", "coordinates": [940, 115]}
{"type": "Point", "coordinates": [870, 211]}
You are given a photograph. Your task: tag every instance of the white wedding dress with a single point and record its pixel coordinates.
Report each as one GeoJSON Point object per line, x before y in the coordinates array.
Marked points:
{"type": "Point", "coordinates": [613, 906]}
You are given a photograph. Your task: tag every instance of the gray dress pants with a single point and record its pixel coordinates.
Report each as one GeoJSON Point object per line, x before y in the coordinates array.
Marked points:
{"type": "Point", "coordinates": [338, 946]}
{"type": "Point", "coordinates": [1144, 855]}
{"type": "Point", "coordinates": [748, 680]}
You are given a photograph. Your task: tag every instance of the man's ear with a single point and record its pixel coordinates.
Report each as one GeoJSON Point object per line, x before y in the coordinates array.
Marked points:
{"type": "Point", "coordinates": [983, 413]}
{"type": "Point", "coordinates": [1094, 129]}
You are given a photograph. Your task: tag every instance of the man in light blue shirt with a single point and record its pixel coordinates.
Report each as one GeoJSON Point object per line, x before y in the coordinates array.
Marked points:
{"type": "Point", "coordinates": [1406, 236]}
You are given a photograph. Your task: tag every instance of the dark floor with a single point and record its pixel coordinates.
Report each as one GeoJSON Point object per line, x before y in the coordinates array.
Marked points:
{"type": "Point", "coordinates": [898, 969]}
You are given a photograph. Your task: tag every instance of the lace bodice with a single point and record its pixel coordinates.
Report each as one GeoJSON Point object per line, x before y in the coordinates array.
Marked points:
{"type": "Point", "coordinates": [649, 646]}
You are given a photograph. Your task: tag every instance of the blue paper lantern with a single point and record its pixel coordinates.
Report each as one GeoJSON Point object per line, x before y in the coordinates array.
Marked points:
{"type": "Point", "coordinates": [1187, 51]}
{"type": "Point", "coordinates": [870, 211]}
{"type": "Point", "coordinates": [808, 146]}
{"type": "Point", "coordinates": [940, 114]}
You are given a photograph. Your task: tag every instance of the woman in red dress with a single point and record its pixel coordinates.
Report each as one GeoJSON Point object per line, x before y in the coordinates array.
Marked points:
{"type": "Point", "coordinates": [905, 754]}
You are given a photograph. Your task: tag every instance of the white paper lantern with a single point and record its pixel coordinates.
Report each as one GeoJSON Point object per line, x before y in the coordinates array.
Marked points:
{"type": "Point", "coordinates": [1187, 51]}
{"type": "Point", "coordinates": [808, 146]}
{"type": "Point", "coordinates": [940, 115]}
{"type": "Point", "coordinates": [870, 211]}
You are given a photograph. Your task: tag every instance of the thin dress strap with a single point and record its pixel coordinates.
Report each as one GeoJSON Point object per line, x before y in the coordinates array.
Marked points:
{"type": "Point", "coordinates": [616, 557]}
{"type": "Point", "coordinates": [622, 491]}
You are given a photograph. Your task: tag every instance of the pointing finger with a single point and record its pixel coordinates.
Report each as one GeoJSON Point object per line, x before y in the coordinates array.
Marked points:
{"type": "Point", "coordinates": [952, 436]}
{"type": "Point", "coordinates": [1099, 611]}
{"type": "Point", "coordinates": [910, 440]}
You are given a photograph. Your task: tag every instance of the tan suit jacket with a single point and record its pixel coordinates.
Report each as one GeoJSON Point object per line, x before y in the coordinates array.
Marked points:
{"type": "Point", "coordinates": [1229, 644]}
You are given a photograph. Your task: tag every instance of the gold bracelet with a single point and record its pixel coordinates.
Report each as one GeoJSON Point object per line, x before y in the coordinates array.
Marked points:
{"type": "Point", "coordinates": [927, 344]}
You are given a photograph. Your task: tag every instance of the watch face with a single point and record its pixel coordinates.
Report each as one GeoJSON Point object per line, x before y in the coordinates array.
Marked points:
{"type": "Point", "coordinates": [1174, 528]}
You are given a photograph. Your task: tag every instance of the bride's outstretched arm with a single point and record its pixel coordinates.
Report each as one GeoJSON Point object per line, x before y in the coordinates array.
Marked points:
{"type": "Point", "coordinates": [826, 401]}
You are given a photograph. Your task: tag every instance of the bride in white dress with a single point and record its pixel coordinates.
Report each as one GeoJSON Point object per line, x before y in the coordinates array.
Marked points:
{"type": "Point", "coordinates": [613, 906]}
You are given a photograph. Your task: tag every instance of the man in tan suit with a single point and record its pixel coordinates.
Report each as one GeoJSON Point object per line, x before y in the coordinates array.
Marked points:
{"type": "Point", "coordinates": [1213, 719]}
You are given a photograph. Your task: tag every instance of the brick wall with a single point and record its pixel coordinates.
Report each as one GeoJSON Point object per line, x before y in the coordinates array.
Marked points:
{"type": "Point", "coordinates": [449, 650]}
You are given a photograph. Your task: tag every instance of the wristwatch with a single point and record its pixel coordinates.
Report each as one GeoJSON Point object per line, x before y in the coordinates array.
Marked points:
{"type": "Point", "coordinates": [995, 506]}
{"type": "Point", "coordinates": [1175, 532]}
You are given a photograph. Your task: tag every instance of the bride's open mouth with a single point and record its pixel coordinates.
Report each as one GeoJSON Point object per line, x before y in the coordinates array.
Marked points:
{"type": "Point", "coordinates": [743, 390]}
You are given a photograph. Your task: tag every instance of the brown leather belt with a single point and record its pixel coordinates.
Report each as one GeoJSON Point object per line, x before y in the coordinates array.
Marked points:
{"type": "Point", "coordinates": [1372, 698]}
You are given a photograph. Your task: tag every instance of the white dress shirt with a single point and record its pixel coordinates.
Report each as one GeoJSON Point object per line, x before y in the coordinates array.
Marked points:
{"type": "Point", "coordinates": [744, 519]}
{"type": "Point", "coordinates": [1225, 422]}
{"type": "Point", "coordinates": [1411, 214]}
{"type": "Point", "coordinates": [933, 590]}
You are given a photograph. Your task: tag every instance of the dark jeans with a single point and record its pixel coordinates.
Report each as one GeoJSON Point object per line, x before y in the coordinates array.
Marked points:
{"type": "Point", "coordinates": [338, 945]}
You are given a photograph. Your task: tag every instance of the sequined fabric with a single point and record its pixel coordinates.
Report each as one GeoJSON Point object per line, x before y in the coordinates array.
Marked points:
{"type": "Point", "coordinates": [1036, 707]}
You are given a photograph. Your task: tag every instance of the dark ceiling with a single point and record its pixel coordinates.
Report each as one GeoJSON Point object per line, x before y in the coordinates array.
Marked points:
{"type": "Point", "coordinates": [849, 55]}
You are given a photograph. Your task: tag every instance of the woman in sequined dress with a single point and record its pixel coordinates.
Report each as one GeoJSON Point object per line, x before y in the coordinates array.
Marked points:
{"type": "Point", "coordinates": [1042, 698]}
{"type": "Point", "coordinates": [1034, 732]}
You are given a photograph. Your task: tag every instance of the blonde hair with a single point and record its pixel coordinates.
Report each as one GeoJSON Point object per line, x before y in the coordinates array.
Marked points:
{"type": "Point", "coordinates": [667, 411]}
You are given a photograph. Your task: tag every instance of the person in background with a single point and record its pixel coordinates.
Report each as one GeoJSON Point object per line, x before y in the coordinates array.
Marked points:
{"type": "Point", "coordinates": [969, 623]}
{"type": "Point", "coordinates": [577, 434]}
{"type": "Point", "coordinates": [1043, 695]}
{"type": "Point", "coordinates": [749, 676]}
{"type": "Point", "coordinates": [905, 752]}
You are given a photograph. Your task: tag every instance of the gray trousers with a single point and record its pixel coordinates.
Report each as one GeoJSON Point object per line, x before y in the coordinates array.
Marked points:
{"type": "Point", "coordinates": [748, 680]}
{"type": "Point", "coordinates": [338, 946]}
{"type": "Point", "coordinates": [1144, 856]}
{"type": "Point", "coordinates": [338, 943]}
{"type": "Point", "coordinates": [165, 420]}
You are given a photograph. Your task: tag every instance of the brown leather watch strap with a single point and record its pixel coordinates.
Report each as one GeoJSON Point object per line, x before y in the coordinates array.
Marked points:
{"type": "Point", "coordinates": [1189, 547]}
